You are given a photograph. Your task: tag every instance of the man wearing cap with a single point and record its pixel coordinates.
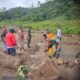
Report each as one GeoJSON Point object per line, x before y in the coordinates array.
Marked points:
{"type": "Point", "coordinates": [11, 42]}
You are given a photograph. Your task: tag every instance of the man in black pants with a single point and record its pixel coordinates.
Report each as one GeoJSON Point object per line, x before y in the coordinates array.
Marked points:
{"type": "Point", "coordinates": [29, 37]}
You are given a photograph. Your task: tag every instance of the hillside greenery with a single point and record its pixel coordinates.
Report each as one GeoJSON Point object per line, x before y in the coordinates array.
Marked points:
{"type": "Point", "coordinates": [53, 13]}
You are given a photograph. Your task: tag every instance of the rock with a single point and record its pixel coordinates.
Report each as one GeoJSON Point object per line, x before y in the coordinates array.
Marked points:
{"type": "Point", "coordinates": [71, 64]}
{"type": "Point", "coordinates": [65, 61]}
{"type": "Point", "coordinates": [77, 62]}
{"type": "Point", "coordinates": [60, 61]}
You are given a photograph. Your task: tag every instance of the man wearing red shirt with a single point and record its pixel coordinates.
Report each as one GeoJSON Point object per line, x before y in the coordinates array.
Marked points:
{"type": "Point", "coordinates": [11, 42]}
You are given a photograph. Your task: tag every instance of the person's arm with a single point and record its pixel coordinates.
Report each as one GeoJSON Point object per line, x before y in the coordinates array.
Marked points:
{"type": "Point", "coordinates": [13, 40]}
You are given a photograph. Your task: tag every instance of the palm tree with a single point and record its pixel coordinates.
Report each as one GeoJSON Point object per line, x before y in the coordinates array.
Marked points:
{"type": "Point", "coordinates": [3, 9]}
{"type": "Point", "coordinates": [38, 3]}
{"type": "Point", "coordinates": [32, 5]}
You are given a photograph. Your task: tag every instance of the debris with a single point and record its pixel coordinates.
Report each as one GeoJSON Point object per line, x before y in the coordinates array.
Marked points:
{"type": "Point", "coordinates": [9, 61]}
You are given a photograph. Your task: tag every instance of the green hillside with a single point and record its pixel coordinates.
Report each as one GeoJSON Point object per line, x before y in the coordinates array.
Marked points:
{"type": "Point", "coordinates": [53, 13]}
{"type": "Point", "coordinates": [55, 8]}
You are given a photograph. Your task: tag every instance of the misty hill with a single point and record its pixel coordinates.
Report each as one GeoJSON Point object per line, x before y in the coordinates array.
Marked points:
{"type": "Point", "coordinates": [70, 9]}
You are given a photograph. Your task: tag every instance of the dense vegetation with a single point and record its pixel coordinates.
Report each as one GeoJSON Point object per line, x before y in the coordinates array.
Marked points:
{"type": "Point", "coordinates": [53, 13]}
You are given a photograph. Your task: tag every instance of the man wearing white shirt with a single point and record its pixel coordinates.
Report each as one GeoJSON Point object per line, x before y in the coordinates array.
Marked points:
{"type": "Point", "coordinates": [59, 33]}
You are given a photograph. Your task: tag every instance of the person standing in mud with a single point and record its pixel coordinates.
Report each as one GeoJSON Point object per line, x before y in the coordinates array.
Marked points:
{"type": "Point", "coordinates": [21, 38]}
{"type": "Point", "coordinates": [58, 48]}
{"type": "Point", "coordinates": [11, 42]}
{"type": "Point", "coordinates": [29, 37]}
{"type": "Point", "coordinates": [51, 46]}
{"type": "Point", "coordinates": [45, 34]}
{"type": "Point", "coordinates": [58, 42]}
{"type": "Point", "coordinates": [3, 34]}
{"type": "Point", "coordinates": [59, 33]}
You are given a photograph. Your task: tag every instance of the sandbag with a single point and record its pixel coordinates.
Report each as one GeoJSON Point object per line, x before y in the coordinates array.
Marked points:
{"type": "Point", "coordinates": [9, 61]}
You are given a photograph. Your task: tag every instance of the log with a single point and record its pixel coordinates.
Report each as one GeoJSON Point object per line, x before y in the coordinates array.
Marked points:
{"type": "Point", "coordinates": [8, 61]}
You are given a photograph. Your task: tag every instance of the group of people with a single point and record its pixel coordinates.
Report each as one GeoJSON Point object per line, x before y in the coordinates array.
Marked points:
{"type": "Point", "coordinates": [53, 43]}
{"type": "Point", "coordinates": [9, 41]}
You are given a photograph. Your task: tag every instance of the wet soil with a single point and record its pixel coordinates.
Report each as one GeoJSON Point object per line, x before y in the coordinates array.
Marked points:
{"type": "Point", "coordinates": [40, 66]}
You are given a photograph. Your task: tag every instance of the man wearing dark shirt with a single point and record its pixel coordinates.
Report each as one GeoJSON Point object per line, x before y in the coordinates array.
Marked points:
{"type": "Point", "coordinates": [29, 37]}
{"type": "Point", "coordinates": [3, 34]}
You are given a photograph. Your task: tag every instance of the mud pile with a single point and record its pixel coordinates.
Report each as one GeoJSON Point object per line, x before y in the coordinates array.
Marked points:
{"type": "Point", "coordinates": [38, 64]}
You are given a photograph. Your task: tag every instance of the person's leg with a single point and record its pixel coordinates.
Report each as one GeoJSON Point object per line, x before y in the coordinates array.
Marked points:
{"type": "Point", "coordinates": [54, 50]}
{"type": "Point", "coordinates": [60, 38]}
{"type": "Point", "coordinates": [29, 41]}
{"type": "Point", "coordinates": [13, 52]}
{"type": "Point", "coordinates": [9, 51]}
{"type": "Point", "coordinates": [54, 54]}
{"type": "Point", "coordinates": [4, 48]}
{"type": "Point", "coordinates": [50, 52]}
{"type": "Point", "coordinates": [21, 47]}
{"type": "Point", "coordinates": [58, 55]}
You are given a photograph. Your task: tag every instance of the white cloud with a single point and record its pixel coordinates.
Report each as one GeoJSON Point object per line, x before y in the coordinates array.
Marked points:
{"type": "Point", "coordinates": [18, 3]}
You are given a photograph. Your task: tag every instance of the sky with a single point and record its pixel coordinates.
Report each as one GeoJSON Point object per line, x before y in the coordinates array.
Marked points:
{"type": "Point", "coordinates": [18, 3]}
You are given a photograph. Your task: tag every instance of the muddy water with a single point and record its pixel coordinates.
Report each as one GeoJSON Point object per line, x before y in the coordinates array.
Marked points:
{"type": "Point", "coordinates": [70, 46]}
{"type": "Point", "coordinates": [69, 51]}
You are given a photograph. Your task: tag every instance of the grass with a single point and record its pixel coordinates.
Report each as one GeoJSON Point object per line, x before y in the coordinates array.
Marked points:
{"type": "Point", "coordinates": [67, 26]}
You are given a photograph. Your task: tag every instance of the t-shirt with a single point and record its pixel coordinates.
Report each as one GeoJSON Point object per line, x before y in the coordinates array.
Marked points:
{"type": "Point", "coordinates": [59, 34]}
{"type": "Point", "coordinates": [50, 36]}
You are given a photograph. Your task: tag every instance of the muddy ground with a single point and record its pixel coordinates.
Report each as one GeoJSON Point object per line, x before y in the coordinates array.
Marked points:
{"type": "Point", "coordinates": [38, 64]}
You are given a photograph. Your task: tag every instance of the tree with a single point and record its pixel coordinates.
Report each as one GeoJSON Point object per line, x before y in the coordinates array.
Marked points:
{"type": "Point", "coordinates": [3, 9]}
{"type": "Point", "coordinates": [32, 6]}
{"type": "Point", "coordinates": [38, 3]}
